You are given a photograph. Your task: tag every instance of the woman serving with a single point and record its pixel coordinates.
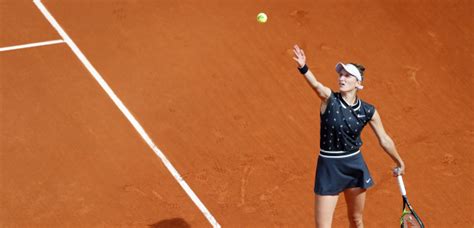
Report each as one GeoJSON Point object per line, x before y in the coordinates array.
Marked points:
{"type": "Point", "coordinates": [341, 167]}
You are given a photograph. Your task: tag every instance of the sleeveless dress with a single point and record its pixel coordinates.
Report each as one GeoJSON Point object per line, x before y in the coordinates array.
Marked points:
{"type": "Point", "coordinates": [340, 163]}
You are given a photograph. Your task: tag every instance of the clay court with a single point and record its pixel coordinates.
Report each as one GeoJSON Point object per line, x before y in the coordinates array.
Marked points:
{"type": "Point", "coordinates": [219, 95]}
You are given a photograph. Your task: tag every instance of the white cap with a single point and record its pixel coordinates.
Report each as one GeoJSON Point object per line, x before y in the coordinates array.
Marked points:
{"type": "Point", "coordinates": [351, 69]}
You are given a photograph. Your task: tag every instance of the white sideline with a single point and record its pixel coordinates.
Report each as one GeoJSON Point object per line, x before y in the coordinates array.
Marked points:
{"type": "Point", "coordinates": [30, 45]}
{"type": "Point", "coordinates": [126, 112]}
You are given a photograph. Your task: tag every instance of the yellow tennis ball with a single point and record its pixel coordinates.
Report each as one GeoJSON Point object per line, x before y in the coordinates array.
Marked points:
{"type": "Point", "coordinates": [262, 17]}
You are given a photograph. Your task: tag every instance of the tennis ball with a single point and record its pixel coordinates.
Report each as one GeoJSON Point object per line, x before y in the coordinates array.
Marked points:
{"type": "Point", "coordinates": [262, 18]}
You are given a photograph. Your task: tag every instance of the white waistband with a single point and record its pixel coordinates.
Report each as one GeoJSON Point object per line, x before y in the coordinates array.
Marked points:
{"type": "Point", "coordinates": [338, 156]}
{"type": "Point", "coordinates": [336, 152]}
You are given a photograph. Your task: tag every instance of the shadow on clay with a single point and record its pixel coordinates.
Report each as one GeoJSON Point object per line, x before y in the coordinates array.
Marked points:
{"type": "Point", "coordinates": [173, 222]}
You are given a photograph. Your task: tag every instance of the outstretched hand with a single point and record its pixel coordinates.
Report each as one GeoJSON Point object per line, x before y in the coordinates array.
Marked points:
{"type": "Point", "coordinates": [299, 57]}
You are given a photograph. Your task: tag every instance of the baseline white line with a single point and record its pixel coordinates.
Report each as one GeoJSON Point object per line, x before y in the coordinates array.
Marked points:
{"type": "Point", "coordinates": [126, 112]}
{"type": "Point", "coordinates": [30, 45]}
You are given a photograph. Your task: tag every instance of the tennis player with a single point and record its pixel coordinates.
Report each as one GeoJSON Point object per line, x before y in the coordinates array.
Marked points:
{"type": "Point", "coordinates": [341, 167]}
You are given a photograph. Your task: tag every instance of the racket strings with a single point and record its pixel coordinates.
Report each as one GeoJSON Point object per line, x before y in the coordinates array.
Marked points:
{"type": "Point", "coordinates": [408, 220]}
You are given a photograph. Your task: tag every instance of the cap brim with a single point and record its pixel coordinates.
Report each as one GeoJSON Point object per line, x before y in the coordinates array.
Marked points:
{"type": "Point", "coordinates": [349, 68]}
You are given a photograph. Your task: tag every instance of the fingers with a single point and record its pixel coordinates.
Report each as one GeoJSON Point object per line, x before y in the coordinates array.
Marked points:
{"type": "Point", "coordinates": [296, 52]}
{"type": "Point", "coordinates": [299, 53]}
{"type": "Point", "coordinates": [297, 49]}
{"type": "Point", "coordinates": [397, 171]}
{"type": "Point", "coordinates": [299, 57]}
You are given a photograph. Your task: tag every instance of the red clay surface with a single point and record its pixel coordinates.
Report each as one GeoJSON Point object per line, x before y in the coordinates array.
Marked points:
{"type": "Point", "coordinates": [220, 95]}
{"type": "Point", "coordinates": [21, 22]}
{"type": "Point", "coordinates": [69, 157]}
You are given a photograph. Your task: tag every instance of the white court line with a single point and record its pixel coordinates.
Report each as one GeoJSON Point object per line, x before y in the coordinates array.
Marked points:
{"type": "Point", "coordinates": [30, 45]}
{"type": "Point", "coordinates": [126, 112]}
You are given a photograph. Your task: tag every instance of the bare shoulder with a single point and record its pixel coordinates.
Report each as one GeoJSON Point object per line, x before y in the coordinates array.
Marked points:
{"type": "Point", "coordinates": [376, 116]}
{"type": "Point", "coordinates": [376, 122]}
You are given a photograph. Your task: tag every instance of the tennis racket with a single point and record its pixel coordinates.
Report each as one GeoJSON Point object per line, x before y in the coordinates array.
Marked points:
{"type": "Point", "coordinates": [409, 217]}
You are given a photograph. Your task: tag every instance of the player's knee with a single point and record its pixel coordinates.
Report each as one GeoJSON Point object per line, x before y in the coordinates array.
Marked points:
{"type": "Point", "coordinates": [323, 220]}
{"type": "Point", "coordinates": [356, 220]}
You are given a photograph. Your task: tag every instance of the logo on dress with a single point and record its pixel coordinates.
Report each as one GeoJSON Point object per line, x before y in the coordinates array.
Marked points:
{"type": "Point", "coordinates": [368, 180]}
{"type": "Point", "coordinates": [360, 116]}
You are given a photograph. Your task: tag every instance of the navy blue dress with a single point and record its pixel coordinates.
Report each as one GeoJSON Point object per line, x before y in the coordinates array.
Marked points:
{"type": "Point", "coordinates": [340, 162]}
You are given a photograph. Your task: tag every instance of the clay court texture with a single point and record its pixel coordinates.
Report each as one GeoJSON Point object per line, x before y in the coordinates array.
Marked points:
{"type": "Point", "coordinates": [220, 96]}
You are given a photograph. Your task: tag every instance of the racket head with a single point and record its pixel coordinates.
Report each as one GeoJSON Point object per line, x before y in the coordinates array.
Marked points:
{"type": "Point", "coordinates": [409, 218]}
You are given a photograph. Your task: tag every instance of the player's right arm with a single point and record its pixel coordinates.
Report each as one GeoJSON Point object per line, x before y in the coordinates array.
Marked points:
{"type": "Point", "coordinates": [322, 91]}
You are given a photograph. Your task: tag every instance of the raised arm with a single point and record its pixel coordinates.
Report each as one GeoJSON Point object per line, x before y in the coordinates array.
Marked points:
{"type": "Point", "coordinates": [322, 91]}
{"type": "Point", "coordinates": [386, 142]}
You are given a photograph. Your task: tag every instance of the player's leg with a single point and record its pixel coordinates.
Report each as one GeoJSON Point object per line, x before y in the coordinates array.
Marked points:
{"type": "Point", "coordinates": [324, 207]}
{"type": "Point", "coordinates": [355, 198]}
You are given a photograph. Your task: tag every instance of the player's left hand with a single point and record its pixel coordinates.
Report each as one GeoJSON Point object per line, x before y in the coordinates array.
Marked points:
{"type": "Point", "coordinates": [299, 57]}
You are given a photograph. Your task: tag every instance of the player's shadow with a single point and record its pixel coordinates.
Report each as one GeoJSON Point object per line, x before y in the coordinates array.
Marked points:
{"type": "Point", "coordinates": [173, 222]}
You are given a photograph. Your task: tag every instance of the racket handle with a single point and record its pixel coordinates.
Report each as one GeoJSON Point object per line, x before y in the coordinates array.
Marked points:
{"type": "Point", "coordinates": [401, 185]}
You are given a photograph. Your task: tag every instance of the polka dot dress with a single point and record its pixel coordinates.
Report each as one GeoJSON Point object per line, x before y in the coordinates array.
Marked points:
{"type": "Point", "coordinates": [340, 163]}
{"type": "Point", "coordinates": [342, 124]}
